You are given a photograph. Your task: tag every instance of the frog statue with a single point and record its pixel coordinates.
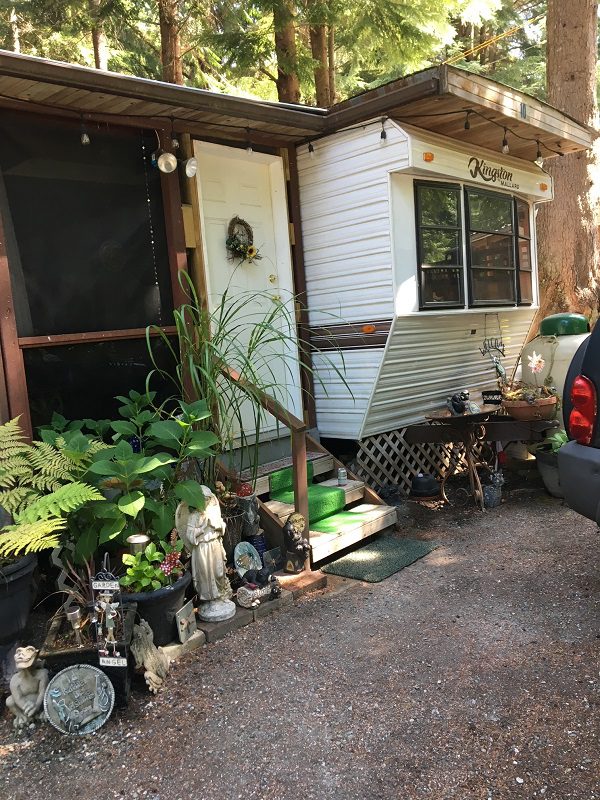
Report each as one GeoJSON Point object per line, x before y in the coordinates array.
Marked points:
{"type": "Point", "coordinates": [27, 688]}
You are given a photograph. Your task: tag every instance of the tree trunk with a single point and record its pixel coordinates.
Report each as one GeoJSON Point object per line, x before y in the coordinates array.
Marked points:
{"type": "Point", "coordinates": [14, 31]}
{"type": "Point", "coordinates": [318, 46]}
{"type": "Point", "coordinates": [288, 84]}
{"type": "Point", "coordinates": [170, 43]}
{"type": "Point", "coordinates": [567, 227]}
{"type": "Point", "coordinates": [331, 60]}
{"type": "Point", "coordinates": [98, 35]}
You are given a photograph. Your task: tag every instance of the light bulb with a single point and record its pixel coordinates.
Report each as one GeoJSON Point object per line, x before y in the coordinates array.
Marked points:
{"type": "Point", "coordinates": [190, 167]}
{"type": "Point", "coordinates": [505, 147]}
{"type": "Point", "coordinates": [85, 139]}
{"type": "Point", "coordinates": [166, 162]}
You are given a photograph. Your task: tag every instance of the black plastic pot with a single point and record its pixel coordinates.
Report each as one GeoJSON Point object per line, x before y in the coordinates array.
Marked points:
{"type": "Point", "coordinates": [547, 464]}
{"type": "Point", "coordinates": [15, 597]}
{"type": "Point", "coordinates": [159, 607]}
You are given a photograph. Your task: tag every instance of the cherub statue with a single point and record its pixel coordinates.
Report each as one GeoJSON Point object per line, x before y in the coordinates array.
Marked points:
{"type": "Point", "coordinates": [153, 659]}
{"type": "Point", "coordinates": [297, 547]}
{"type": "Point", "coordinates": [27, 688]}
{"type": "Point", "coordinates": [202, 533]}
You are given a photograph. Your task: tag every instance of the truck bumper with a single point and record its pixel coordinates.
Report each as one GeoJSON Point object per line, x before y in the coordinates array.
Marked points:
{"type": "Point", "coordinates": [579, 473]}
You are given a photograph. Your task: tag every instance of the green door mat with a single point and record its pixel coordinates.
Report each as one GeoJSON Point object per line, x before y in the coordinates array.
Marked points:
{"type": "Point", "coordinates": [379, 559]}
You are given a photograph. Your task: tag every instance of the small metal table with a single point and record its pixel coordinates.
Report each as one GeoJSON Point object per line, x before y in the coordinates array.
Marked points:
{"type": "Point", "coordinates": [489, 425]}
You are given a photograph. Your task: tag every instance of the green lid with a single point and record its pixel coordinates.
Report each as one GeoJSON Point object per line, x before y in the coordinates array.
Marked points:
{"type": "Point", "coordinates": [564, 325]}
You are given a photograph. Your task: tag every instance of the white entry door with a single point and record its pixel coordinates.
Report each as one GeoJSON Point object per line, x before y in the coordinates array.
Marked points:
{"type": "Point", "coordinates": [233, 183]}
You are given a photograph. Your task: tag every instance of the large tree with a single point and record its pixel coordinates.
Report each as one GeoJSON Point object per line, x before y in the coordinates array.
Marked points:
{"type": "Point", "coordinates": [568, 227]}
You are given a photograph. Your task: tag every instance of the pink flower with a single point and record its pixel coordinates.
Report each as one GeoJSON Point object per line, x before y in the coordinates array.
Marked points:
{"type": "Point", "coordinates": [536, 363]}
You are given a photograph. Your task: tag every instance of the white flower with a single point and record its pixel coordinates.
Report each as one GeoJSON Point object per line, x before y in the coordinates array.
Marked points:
{"type": "Point", "coordinates": [536, 363]}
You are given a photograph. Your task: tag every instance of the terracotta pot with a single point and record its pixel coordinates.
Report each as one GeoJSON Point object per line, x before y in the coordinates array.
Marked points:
{"type": "Point", "coordinates": [542, 408]}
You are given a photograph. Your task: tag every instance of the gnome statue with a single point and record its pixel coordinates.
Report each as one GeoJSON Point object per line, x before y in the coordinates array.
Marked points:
{"type": "Point", "coordinates": [202, 533]}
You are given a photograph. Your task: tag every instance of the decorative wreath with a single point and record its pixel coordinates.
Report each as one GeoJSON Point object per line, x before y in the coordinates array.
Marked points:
{"type": "Point", "coordinates": [240, 241]}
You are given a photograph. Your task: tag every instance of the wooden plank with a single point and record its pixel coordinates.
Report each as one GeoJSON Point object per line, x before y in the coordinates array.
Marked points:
{"type": "Point", "coordinates": [190, 195]}
{"type": "Point", "coordinates": [497, 431]}
{"type": "Point", "coordinates": [4, 409]}
{"type": "Point", "coordinates": [354, 490]}
{"type": "Point", "coordinates": [300, 480]}
{"type": "Point", "coordinates": [57, 339]}
{"type": "Point", "coordinates": [306, 375]}
{"type": "Point", "coordinates": [173, 225]}
{"type": "Point", "coordinates": [380, 517]}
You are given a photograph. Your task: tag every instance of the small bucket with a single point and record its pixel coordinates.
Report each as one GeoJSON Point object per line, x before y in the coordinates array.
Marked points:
{"type": "Point", "coordinates": [492, 496]}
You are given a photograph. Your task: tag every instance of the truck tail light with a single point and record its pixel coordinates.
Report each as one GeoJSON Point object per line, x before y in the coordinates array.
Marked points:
{"type": "Point", "coordinates": [582, 419]}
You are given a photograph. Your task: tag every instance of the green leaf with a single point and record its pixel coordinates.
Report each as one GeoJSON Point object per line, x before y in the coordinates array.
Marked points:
{"type": "Point", "coordinates": [124, 427]}
{"type": "Point", "coordinates": [86, 545]}
{"type": "Point", "coordinates": [132, 503]}
{"type": "Point", "coordinates": [111, 529]}
{"type": "Point", "coordinates": [191, 493]}
{"type": "Point", "coordinates": [202, 441]}
{"type": "Point", "coordinates": [153, 462]}
{"type": "Point", "coordinates": [104, 468]}
{"type": "Point", "coordinates": [128, 558]}
{"type": "Point", "coordinates": [168, 432]}
{"type": "Point", "coordinates": [156, 584]}
{"type": "Point", "coordinates": [145, 582]}
{"type": "Point", "coordinates": [126, 580]}
{"type": "Point", "coordinates": [195, 411]}
{"type": "Point", "coordinates": [150, 551]}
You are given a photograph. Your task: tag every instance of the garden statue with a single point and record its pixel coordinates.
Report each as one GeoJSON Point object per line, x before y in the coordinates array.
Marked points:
{"type": "Point", "coordinates": [202, 533]}
{"type": "Point", "coordinates": [27, 687]}
{"type": "Point", "coordinates": [297, 547]}
{"type": "Point", "coordinates": [248, 505]}
{"type": "Point", "coordinates": [109, 615]}
{"type": "Point", "coordinates": [154, 661]}
{"type": "Point", "coordinates": [460, 403]}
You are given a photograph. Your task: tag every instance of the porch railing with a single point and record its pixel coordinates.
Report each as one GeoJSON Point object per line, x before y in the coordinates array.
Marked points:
{"type": "Point", "coordinates": [297, 429]}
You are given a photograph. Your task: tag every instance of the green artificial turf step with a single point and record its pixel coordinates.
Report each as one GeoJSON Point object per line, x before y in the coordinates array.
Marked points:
{"type": "Point", "coordinates": [348, 527]}
{"type": "Point", "coordinates": [353, 491]}
{"type": "Point", "coordinates": [323, 501]}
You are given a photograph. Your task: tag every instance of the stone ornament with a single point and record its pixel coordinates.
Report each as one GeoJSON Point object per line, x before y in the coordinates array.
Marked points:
{"type": "Point", "coordinates": [27, 687]}
{"type": "Point", "coordinates": [202, 533]}
{"type": "Point", "coordinates": [79, 699]}
{"type": "Point", "coordinates": [296, 545]}
{"type": "Point", "coordinates": [152, 659]}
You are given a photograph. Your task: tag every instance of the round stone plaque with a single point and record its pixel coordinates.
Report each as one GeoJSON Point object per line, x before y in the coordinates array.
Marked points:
{"type": "Point", "coordinates": [79, 699]}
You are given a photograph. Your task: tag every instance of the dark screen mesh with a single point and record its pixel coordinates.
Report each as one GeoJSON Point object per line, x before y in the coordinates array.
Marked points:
{"type": "Point", "coordinates": [85, 227]}
{"type": "Point", "coordinates": [82, 380]}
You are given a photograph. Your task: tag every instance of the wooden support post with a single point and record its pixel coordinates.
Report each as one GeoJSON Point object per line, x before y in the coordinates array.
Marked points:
{"type": "Point", "coordinates": [173, 225]}
{"type": "Point", "coordinates": [300, 474]}
{"type": "Point", "coordinates": [12, 355]}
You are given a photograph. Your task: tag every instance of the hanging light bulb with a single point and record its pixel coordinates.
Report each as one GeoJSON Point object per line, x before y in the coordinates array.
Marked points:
{"type": "Point", "coordinates": [383, 135]}
{"type": "Point", "coordinates": [84, 136]}
{"type": "Point", "coordinates": [174, 139]}
{"type": "Point", "coordinates": [249, 149]}
{"type": "Point", "coordinates": [539, 159]}
{"type": "Point", "coordinates": [311, 150]}
{"type": "Point", "coordinates": [190, 166]}
{"type": "Point", "coordinates": [505, 147]}
{"type": "Point", "coordinates": [467, 122]}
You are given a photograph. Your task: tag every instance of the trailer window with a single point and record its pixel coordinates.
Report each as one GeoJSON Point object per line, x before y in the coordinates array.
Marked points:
{"type": "Point", "coordinates": [439, 245]}
{"type": "Point", "coordinates": [497, 243]}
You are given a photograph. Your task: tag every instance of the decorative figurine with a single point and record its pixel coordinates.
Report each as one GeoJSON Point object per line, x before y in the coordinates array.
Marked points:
{"type": "Point", "coordinates": [108, 616]}
{"type": "Point", "coordinates": [202, 533]}
{"type": "Point", "coordinates": [154, 660]}
{"type": "Point", "coordinates": [27, 688]}
{"type": "Point", "coordinates": [297, 547]}
{"type": "Point", "coordinates": [460, 403]}
{"type": "Point", "coordinates": [248, 505]}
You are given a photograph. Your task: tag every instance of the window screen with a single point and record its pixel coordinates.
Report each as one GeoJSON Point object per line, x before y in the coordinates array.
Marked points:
{"type": "Point", "coordinates": [491, 248]}
{"type": "Point", "coordinates": [85, 227]}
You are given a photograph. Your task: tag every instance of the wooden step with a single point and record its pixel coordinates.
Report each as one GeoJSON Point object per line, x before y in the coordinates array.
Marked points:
{"type": "Point", "coordinates": [322, 464]}
{"type": "Point", "coordinates": [369, 520]}
{"type": "Point", "coordinates": [353, 490]}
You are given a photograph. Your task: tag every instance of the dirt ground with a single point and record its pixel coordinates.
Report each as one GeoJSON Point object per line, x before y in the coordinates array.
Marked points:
{"type": "Point", "coordinates": [473, 673]}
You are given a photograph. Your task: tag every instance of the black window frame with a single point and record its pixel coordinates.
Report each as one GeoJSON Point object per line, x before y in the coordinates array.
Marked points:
{"type": "Point", "coordinates": [464, 239]}
{"type": "Point", "coordinates": [456, 188]}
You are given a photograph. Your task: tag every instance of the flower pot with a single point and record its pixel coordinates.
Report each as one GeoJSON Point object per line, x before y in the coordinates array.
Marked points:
{"type": "Point", "coordinates": [159, 607]}
{"type": "Point", "coordinates": [15, 597]}
{"type": "Point", "coordinates": [542, 408]}
{"type": "Point", "coordinates": [547, 464]}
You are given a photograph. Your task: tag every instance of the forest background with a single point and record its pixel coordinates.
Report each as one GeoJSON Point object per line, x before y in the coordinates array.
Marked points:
{"type": "Point", "coordinates": [321, 51]}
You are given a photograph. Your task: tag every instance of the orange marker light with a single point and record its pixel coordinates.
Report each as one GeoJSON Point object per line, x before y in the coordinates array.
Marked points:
{"type": "Point", "coordinates": [369, 328]}
{"type": "Point", "coordinates": [428, 157]}
{"type": "Point", "coordinates": [544, 187]}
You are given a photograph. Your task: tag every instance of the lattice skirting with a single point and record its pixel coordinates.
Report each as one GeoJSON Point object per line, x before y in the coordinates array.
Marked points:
{"type": "Point", "coordinates": [387, 459]}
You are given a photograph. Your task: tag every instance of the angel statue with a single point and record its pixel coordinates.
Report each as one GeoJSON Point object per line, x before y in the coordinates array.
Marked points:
{"type": "Point", "coordinates": [202, 533]}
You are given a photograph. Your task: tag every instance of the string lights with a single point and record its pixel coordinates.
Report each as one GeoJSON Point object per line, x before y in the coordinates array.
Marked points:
{"type": "Point", "coordinates": [505, 147]}
{"type": "Point", "coordinates": [383, 135]}
{"type": "Point", "coordinates": [84, 136]}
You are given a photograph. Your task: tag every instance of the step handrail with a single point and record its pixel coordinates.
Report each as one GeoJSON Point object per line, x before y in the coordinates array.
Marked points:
{"type": "Point", "coordinates": [298, 429]}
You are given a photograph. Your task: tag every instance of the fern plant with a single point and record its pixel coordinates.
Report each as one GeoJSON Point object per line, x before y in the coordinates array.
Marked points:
{"type": "Point", "coordinates": [40, 486]}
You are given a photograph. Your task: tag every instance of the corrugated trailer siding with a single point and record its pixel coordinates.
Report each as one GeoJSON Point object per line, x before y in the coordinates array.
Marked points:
{"type": "Point", "coordinates": [428, 358]}
{"type": "Point", "coordinates": [344, 194]}
{"type": "Point", "coordinates": [340, 413]}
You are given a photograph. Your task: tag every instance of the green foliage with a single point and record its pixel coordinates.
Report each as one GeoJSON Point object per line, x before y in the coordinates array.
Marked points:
{"type": "Point", "coordinates": [31, 537]}
{"type": "Point", "coordinates": [556, 440]}
{"type": "Point", "coordinates": [153, 568]}
{"type": "Point", "coordinates": [64, 500]}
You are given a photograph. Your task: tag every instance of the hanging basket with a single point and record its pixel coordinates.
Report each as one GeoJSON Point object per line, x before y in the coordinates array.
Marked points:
{"type": "Point", "coordinates": [541, 408]}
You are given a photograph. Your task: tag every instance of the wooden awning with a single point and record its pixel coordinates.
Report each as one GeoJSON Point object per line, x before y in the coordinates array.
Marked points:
{"type": "Point", "coordinates": [439, 98]}
{"type": "Point", "coordinates": [435, 99]}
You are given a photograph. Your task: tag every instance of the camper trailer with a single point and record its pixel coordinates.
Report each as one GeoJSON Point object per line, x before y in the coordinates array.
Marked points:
{"type": "Point", "coordinates": [400, 223]}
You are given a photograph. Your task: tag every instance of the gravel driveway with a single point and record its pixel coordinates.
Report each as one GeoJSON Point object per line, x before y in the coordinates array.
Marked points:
{"type": "Point", "coordinates": [471, 674]}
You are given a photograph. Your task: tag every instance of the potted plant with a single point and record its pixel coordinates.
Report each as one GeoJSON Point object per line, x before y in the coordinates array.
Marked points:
{"type": "Point", "coordinates": [529, 401]}
{"type": "Point", "coordinates": [546, 455]}
{"type": "Point", "coordinates": [41, 484]}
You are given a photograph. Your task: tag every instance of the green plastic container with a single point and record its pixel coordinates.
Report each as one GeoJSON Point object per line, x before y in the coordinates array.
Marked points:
{"type": "Point", "coordinates": [564, 325]}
